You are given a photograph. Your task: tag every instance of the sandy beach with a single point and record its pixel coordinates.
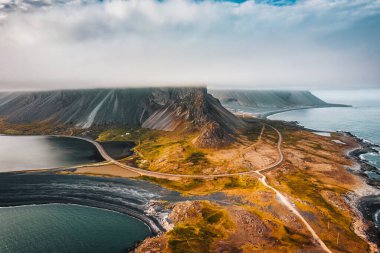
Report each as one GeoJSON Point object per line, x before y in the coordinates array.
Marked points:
{"type": "Point", "coordinates": [105, 170]}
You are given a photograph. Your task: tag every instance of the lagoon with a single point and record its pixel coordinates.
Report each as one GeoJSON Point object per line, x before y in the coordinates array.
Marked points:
{"type": "Point", "coordinates": [67, 228]}
{"type": "Point", "coordinates": [41, 152]}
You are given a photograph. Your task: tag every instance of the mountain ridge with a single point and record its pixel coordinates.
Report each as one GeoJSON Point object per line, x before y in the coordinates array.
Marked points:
{"type": "Point", "coordinates": [155, 108]}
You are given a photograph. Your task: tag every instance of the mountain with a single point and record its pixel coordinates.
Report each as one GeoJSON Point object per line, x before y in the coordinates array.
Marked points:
{"type": "Point", "coordinates": [155, 108]}
{"type": "Point", "coordinates": [267, 98]}
{"type": "Point", "coordinates": [262, 103]}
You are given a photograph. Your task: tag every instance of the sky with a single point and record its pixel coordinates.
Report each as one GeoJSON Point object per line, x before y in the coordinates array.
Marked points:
{"type": "Point", "coordinates": [287, 44]}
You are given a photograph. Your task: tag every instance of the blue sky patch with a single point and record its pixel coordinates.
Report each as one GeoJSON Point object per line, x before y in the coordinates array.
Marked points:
{"type": "Point", "coordinates": [271, 2]}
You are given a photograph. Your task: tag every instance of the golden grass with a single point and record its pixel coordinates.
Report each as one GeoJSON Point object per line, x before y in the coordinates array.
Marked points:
{"type": "Point", "coordinates": [314, 176]}
{"type": "Point", "coordinates": [198, 233]}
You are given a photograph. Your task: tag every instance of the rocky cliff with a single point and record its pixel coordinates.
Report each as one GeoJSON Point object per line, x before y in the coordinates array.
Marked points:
{"type": "Point", "coordinates": [155, 108]}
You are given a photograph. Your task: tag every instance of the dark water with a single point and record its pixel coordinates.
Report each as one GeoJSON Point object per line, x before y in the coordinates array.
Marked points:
{"type": "Point", "coordinates": [61, 227]}
{"type": "Point", "coordinates": [128, 196]}
{"type": "Point", "coordinates": [44, 187]}
{"type": "Point", "coordinates": [67, 228]}
{"type": "Point", "coordinates": [118, 149]}
{"type": "Point", "coordinates": [362, 119]}
{"type": "Point", "coordinates": [37, 152]}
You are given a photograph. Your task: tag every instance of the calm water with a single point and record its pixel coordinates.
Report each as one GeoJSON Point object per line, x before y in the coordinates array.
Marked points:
{"type": "Point", "coordinates": [36, 152]}
{"type": "Point", "coordinates": [362, 119]}
{"type": "Point", "coordinates": [67, 228]}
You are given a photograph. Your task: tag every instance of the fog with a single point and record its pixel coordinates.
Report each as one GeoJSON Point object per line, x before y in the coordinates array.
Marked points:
{"type": "Point", "coordinates": [355, 97]}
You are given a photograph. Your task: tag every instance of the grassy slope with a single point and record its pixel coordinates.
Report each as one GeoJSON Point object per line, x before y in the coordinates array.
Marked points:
{"type": "Point", "coordinates": [313, 175]}
{"type": "Point", "coordinates": [197, 232]}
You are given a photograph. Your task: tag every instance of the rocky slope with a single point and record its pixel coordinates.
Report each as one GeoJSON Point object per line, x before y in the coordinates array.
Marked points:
{"type": "Point", "coordinates": [155, 108]}
{"type": "Point", "coordinates": [213, 136]}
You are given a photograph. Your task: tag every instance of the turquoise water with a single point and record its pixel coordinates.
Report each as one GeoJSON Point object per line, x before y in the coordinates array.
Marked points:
{"type": "Point", "coordinates": [362, 119]}
{"type": "Point", "coordinates": [37, 152]}
{"type": "Point", "coordinates": [60, 228]}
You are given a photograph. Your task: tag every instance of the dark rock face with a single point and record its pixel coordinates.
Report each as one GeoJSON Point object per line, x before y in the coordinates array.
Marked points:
{"type": "Point", "coordinates": [192, 105]}
{"type": "Point", "coordinates": [155, 108]}
{"type": "Point", "coordinates": [213, 136]}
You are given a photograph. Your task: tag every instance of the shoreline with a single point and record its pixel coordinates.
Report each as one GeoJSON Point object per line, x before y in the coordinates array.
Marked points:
{"type": "Point", "coordinates": [37, 194]}
{"type": "Point", "coordinates": [364, 202]}
{"type": "Point", "coordinates": [265, 114]}
{"type": "Point", "coordinates": [71, 204]}
{"type": "Point", "coordinates": [154, 225]}
{"type": "Point", "coordinates": [360, 201]}
{"type": "Point", "coordinates": [143, 218]}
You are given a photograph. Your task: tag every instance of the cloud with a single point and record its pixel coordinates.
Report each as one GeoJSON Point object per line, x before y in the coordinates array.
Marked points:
{"type": "Point", "coordinates": [311, 43]}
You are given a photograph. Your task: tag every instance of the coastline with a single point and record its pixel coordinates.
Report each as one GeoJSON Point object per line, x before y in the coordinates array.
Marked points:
{"type": "Point", "coordinates": [153, 224]}
{"type": "Point", "coordinates": [50, 188]}
{"type": "Point", "coordinates": [369, 193]}
{"type": "Point", "coordinates": [265, 114]}
{"type": "Point", "coordinates": [360, 198]}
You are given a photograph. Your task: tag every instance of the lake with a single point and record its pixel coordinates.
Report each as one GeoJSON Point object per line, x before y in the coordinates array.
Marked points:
{"type": "Point", "coordinates": [37, 152]}
{"type": "Point", "coordinates": [62, 227]}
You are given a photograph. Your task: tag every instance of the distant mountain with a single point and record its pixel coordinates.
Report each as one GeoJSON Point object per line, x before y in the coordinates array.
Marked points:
{"type": "Point", "coordinates": [265, 102]}
{"type": "Point", "coordinates": [155, 108]}
{"type": "Point", "coordinates": [267, 98]}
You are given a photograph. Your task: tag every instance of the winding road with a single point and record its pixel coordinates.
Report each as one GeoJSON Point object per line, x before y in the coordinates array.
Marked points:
{"type": "Point", "coordinates": [143, 172]}
{"type": "Point", "coordinates": [262, 178]}
{"type": "Point", "coordinates": [285, 201]}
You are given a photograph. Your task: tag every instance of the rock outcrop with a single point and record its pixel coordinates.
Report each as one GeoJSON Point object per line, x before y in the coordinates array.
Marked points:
{"type": "Point", "coordinates": [213, 136]}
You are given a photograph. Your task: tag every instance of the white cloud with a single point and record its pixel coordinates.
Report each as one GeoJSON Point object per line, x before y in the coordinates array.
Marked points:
{"type": "Point", "coordinates": [222, 44]}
